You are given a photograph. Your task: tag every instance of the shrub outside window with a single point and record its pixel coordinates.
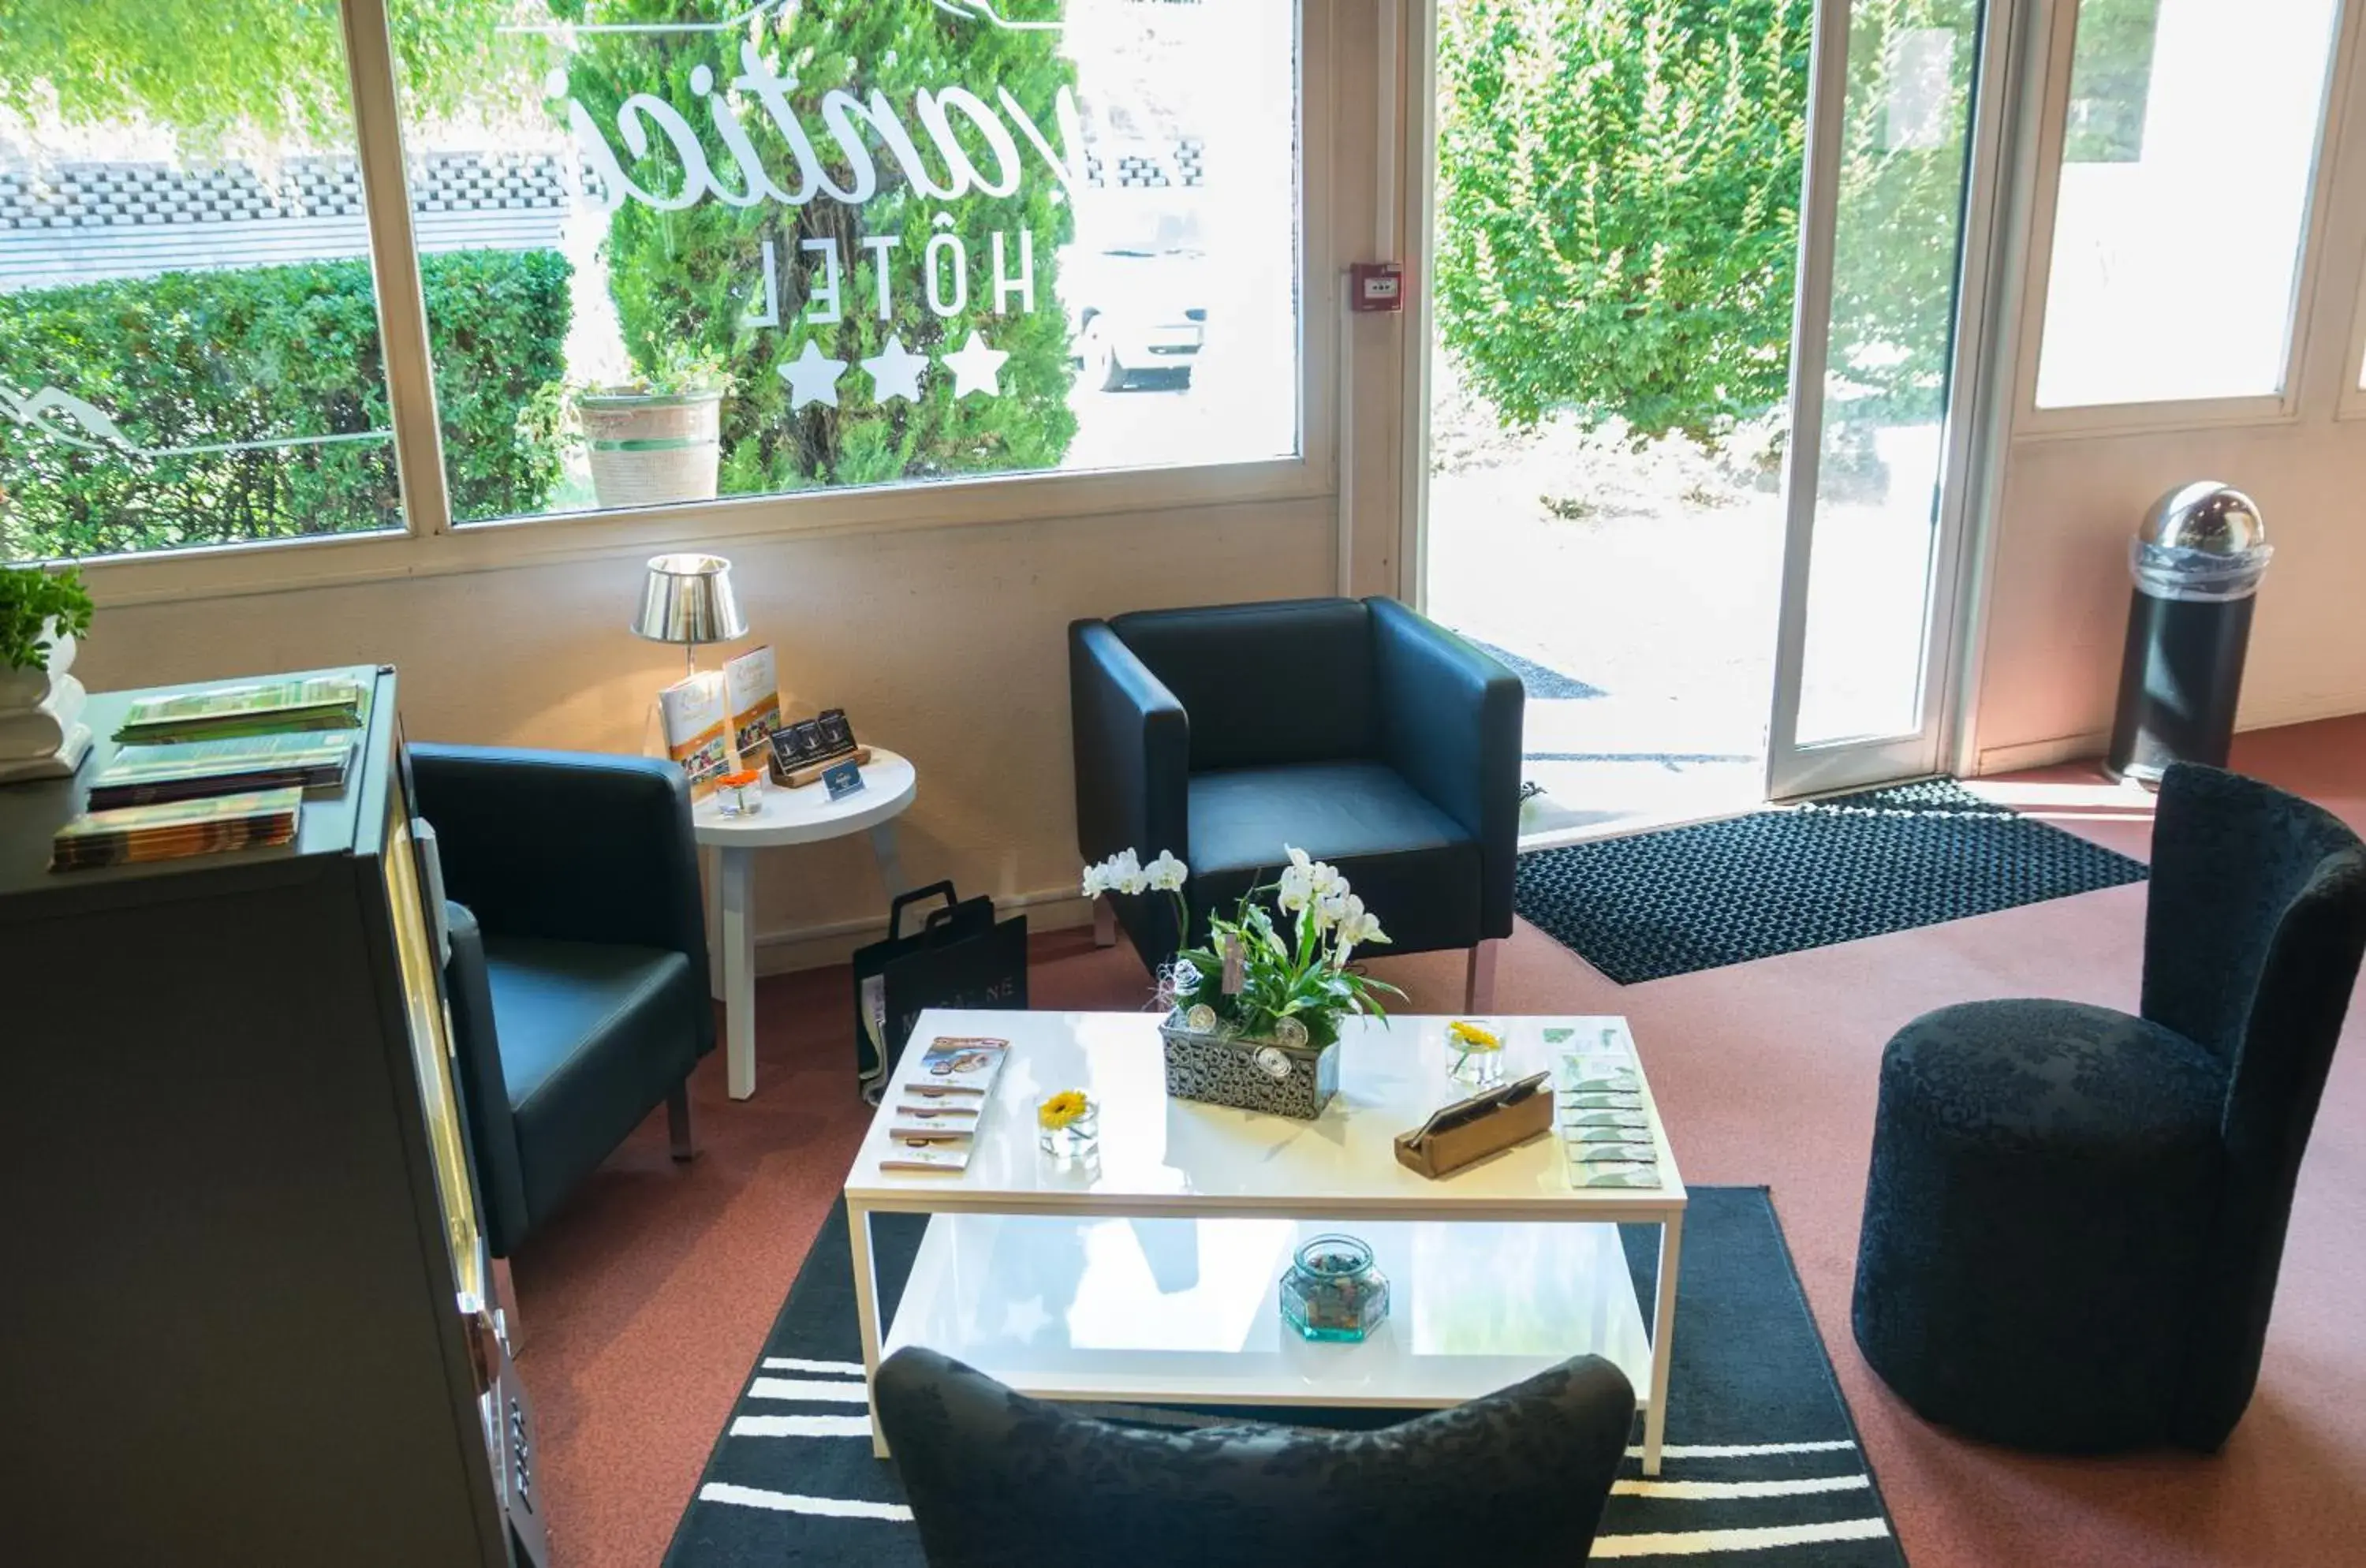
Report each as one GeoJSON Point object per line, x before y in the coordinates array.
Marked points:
{"type": "Point", "coordinates": [669, 249]}
{"type": "Point", "coordinates": [188, 330]}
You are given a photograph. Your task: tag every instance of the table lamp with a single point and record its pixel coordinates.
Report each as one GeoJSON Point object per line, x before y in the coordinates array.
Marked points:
{"type": "Point", "coordinates": [688, 599]}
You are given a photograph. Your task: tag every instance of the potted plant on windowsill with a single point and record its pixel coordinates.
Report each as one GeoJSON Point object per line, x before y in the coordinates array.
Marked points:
{"type": "Point", "coordinates": [1252, 1018]}
{"type": "Point", "coordinates": [41, 613]}
{"type": "Point", "coordinates": [656, 439]}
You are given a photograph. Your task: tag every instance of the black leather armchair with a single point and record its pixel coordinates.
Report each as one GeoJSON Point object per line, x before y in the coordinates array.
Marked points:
{"type": "Point", "coordinates": [1517, 1479]}
{"type": "Point", "coordinates": [1358, 731]}
{"type": "Point", "coordinates": [578, 974]}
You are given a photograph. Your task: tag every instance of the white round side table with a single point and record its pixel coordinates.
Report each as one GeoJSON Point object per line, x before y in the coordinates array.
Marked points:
{"type": "Point", "coordinates": [803, 816]}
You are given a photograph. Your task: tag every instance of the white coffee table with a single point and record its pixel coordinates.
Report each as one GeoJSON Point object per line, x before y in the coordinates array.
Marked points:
{"type": "Point", "coordinates": [1150, 1276]}
{"type": "Point", "coordinates": [802, 816]}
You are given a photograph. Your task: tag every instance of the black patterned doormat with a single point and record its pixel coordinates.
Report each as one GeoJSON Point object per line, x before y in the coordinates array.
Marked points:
{"type": "Point", "coordinates": [1762, 1463]}
{"type": "Point", "coordinates": [1784, 880]}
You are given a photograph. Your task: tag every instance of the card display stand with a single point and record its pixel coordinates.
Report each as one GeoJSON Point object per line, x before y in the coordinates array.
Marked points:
{"type": "Point", "coordinates": [961, 957]}
{"type": "Point", "coordinates": [811, 773]}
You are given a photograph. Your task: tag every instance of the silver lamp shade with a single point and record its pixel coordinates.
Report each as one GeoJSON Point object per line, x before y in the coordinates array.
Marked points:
{"type": "Point", "coordinates": [688, 599]}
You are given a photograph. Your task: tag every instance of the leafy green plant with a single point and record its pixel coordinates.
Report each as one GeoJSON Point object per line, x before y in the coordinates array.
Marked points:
{"type": "Point", "coordinates": [257, 355]}
{"type": "Point", "coordinates": [30, 599]}
{"type": "Point", "coordinates": [1618, 210]}
{"type": "Point", "coordinates": [208, 72]}
{"type": "Point", "coordinates": [686, 277]}
{"type": "Point", "coordinates": [680, 370]}
{"type": "Point", "coordinates": [1292, 973]}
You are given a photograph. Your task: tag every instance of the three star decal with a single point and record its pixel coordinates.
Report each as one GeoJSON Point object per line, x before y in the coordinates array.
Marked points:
{"type": "Point", "coordinates": [894, 371]}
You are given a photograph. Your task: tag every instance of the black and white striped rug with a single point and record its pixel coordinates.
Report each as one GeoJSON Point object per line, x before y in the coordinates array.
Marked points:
{"type": "Point", "coordinates": [1762, 1464]}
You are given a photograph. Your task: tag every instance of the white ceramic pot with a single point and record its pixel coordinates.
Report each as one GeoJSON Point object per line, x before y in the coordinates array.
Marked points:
{"type": "Point", "coordinates": [23, 689]}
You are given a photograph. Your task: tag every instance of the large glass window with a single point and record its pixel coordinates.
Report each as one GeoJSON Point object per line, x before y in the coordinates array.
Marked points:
{"type": "Point", "coordinates": [743, 249]}
{"type": "Point", "coordinates": [2189, 155]}
{"type": "Point", "coordinates": [188, 330]}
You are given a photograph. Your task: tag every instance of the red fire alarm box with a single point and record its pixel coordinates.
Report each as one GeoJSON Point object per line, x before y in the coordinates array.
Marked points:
{"type": "Point", "coordinates": [1376, 286]}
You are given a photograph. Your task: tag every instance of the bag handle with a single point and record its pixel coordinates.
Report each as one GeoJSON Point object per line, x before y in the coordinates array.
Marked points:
{"type": "Point", "coordinates": [934, 890]}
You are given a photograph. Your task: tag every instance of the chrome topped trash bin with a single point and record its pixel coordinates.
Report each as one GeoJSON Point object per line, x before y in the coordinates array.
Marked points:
{"type": "Point", "coordinates": [2196, 563]}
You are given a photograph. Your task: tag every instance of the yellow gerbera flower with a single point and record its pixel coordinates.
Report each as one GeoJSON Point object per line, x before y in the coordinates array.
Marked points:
{"type": "Point", "coordinates": [1474, 1037]}
{"type": "Point", "coordinates": [1062, 1108]}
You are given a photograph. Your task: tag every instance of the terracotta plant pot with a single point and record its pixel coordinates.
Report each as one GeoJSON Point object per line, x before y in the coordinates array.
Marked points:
{"type": "Point", "coordinates": [648, 449]}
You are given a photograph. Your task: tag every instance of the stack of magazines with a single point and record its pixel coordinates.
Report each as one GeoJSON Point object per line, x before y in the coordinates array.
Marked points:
{"type": "Point", "coordinates": [1605, 1129]}
{"type": "Point", "coordinates": [934, 1124]}
{"type": "Point", "coordinates": [143, 775]}
{"type": "Point", "coordinates": [133, 834]}
{"type": "Point", "coordinates": [264, 708]}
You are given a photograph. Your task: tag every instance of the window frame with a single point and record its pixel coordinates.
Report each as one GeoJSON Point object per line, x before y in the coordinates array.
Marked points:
{"type": "Point", "coordinates": [2283, 407]}
{"type": "Point", "coordinates": [429, 545]}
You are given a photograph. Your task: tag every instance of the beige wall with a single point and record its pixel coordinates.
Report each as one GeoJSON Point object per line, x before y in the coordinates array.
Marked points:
{"type": "Point", "coordinates": [2057, 607]}
{"type": "Point", "coordinates": [947, 643]}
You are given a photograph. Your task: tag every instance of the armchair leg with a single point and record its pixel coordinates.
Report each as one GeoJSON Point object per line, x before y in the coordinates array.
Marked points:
{"type": "Point", "coordinates": [1479, 988]}
{"type": "Point", "coordinates": [678, 1123]}
{"type": "Point", "coordinates": [1104, 922]}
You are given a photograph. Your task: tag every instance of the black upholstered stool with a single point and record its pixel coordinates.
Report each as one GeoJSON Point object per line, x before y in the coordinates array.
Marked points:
{"type": "Point", "coordinates": [2041, 1173]}
{"type": "Point", "coordinates": [2075, 1217]}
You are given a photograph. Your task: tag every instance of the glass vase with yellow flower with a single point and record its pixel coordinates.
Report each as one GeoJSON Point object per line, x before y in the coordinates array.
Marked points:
{"type": "Point", "coordinates": [1067, 1124]}
{"type": "Point", "coordinates": [1474, 1052]}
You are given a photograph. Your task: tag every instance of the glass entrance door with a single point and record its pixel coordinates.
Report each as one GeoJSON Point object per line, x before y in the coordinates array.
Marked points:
{"type": "Point", "coordinates": [1898, 157]}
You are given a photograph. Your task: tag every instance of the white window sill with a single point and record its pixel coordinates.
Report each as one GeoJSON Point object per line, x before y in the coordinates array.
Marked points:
{"type": "Point", "coordinates": [281, 566]}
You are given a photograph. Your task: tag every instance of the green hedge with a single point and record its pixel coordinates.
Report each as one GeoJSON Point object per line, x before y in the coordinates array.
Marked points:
{"type": "Point", "coordinates": [193, 359]}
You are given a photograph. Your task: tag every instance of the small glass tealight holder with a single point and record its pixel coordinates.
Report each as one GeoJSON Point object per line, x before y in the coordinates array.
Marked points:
{"type": "Point", "coordinates": [740, 795]}
{"type": "Point", "coordinates": [1068, 1125]}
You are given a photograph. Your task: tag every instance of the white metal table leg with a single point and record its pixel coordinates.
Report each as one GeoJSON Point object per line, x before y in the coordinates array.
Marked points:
{"type": "Point", "coordinates": [713, 859]}
{"type": "Point", "coordinates": [738, 877]}
{"type": "Point", "coordinates": [1664, 1335]}
{"type": "Point", "coordinates": [891, 864]}
{"type": "Point", "coordinates": [866, 1314]}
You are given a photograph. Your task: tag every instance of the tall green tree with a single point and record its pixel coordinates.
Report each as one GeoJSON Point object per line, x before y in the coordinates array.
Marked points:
{"type": "Point", "coordinates": [206, 70]}
{"type": "Point", "coordinates": [1618, 205]}
{"type": "Point", "coordinates": [684, 281]}
{"type": "Point", "coordinates": [1898, 233]}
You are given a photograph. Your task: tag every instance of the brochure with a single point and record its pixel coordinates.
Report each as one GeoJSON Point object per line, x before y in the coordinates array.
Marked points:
{"type": "Point", "coordinates": [968, 1062]}
{"type": "Point", "coordinates": [752, 692]}
{"type": "Point", "coordinates": [934, 1123]}
{"type": "Point", "coordinates": [949, 1155]}
{"type": "Point", "coordinates": [697, 733]}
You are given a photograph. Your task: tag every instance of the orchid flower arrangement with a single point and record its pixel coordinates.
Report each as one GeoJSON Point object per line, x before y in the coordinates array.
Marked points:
{"type": "Point", "coordinates": [1259, 977]}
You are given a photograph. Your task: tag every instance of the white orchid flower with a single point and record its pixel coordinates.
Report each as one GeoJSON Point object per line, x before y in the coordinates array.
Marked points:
{"type": "Point", "coordinates": [1165, 875]}
{"type": "Point", "coordinates": [1296, 889]}
{"type": "Point", "coordinates": [1356, 925]}
{"type": "Point", "coordinates": [1122, 873]}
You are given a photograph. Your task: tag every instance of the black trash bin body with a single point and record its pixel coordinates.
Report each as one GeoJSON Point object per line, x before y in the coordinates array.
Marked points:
{"type": "Point", "coordinates": [2196, 563]}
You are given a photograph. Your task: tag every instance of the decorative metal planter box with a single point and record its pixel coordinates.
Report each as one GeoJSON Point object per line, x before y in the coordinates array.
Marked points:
{"type": "Point", "coordinates": [1282, 1077]}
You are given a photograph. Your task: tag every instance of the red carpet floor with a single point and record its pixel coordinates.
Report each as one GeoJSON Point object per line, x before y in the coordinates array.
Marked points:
{"type": "Point", "coordinates": [645, 1303]}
